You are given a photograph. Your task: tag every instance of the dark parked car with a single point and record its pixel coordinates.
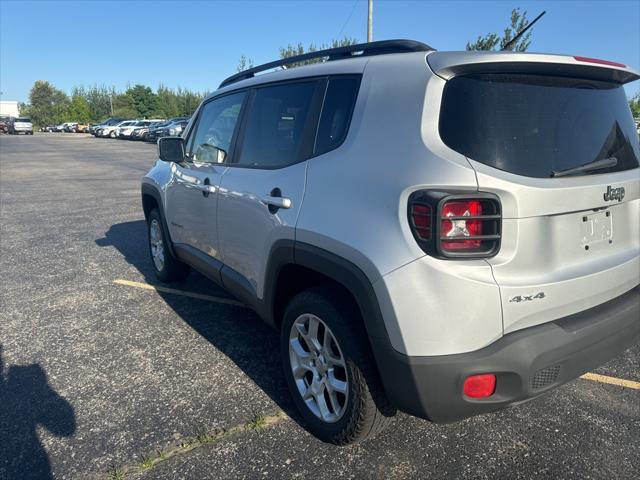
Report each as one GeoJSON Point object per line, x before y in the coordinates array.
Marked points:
{"type": "Point", "coordinates": [161, 130]}
{"type": "Point", "coordinates": [173, 129]}
{"type": "Point", "coordinates": [142, 133]}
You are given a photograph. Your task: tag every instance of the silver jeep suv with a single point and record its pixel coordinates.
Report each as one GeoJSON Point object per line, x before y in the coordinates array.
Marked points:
{"type": "Point", "coordinates": [441, 233]}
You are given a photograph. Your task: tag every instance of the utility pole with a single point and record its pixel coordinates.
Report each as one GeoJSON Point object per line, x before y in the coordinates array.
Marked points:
{"type": "Point", "coordinates": [370, 22]}
{"type": "Point", "coordinates": [111, 102]}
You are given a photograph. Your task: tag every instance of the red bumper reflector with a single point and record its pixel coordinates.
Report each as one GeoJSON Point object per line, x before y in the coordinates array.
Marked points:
{"type": "Point", "coordinates": [601, 62]}
{"type": "Point", "coordinates": [480, 386]}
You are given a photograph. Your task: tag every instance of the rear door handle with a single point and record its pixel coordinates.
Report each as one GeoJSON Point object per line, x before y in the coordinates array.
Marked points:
{"type": "Point", "coordinates": [277, 202]}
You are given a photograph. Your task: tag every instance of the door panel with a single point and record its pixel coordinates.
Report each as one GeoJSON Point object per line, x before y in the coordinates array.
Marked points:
{"type": "Point", "coordinates": [248, 226]}
{"type": "Point", "coordinates": [261, 195]}
{"type": "Point", "coordinates": [191, 211]}
{"type": "Point", "coordinates": [192, 194]}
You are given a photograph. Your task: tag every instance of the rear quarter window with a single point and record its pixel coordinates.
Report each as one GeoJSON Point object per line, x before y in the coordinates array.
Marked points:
{"type": "Point", "coordinates": [337, 110]}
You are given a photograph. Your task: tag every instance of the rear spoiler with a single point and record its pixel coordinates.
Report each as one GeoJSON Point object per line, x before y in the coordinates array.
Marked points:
{"type": "Point", "coordinates": [450, 64]}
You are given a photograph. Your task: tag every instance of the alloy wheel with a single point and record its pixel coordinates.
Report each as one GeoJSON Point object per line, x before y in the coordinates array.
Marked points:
{"type": "Point", "coordinates": [157, 247]}
{"type": "Point", "coordinates": [319, 368]}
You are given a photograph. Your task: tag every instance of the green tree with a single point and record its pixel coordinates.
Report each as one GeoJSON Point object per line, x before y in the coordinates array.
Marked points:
{"type": "Point", "coordinates": [46, 104]}
{"type": "Point", "coordinates": [167, 102]}
{"type": "Point", "coordinates": [143, 99]}
{"type": "Point", "coordinates": [493, 40]}
{"type": "Point", "coordinates": [99, 100]}
{"type": "Point", "coordinates": [188, 101]}
{"type": "Point", "coordinates": [244, 64]}
{"type": "Point", "coordinates": [79, 110]}
{"type": "Point", "coordinates": [293, 50]}
{"type": "Point", "coordinates": [123, 106]}
{"type": "Point", "coordinates": [634, 105]}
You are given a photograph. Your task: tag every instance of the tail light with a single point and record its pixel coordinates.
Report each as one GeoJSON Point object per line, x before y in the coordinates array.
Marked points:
{"type": "Point", "coordinates": [452, 225]}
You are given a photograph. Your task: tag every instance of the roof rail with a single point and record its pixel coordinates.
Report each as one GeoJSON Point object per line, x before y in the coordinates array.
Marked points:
{"type": "Point", "coordinates": [338, 53]}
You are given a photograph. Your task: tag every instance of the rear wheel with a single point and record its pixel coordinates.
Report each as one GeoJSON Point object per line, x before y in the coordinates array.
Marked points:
{"type": "Point", "coordinates": [167, 267]}
{"type": "Point", "coordinates": [112, 134]}
{"type": "Point", "coordinates": [330, 370]}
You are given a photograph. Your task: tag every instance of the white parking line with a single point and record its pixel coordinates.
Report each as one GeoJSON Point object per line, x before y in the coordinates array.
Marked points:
{"type": "Point", "coordinates": [199, 296]}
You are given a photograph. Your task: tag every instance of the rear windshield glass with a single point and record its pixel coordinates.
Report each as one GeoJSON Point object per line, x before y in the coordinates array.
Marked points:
{"type": "Point", "coordinates": [534, 125]}
{"type": "Point", "coordinates": [23, 119]}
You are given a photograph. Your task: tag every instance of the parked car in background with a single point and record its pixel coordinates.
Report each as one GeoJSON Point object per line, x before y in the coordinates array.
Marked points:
{"type": "Point", "coordinates": [126, 132]}
{"type": "Point", "coordinates": [155, 132]}
{"type": "Point", "coordinates": [112, 130]}
{"type": "Point", "coordinates": [48, 128]}
{"type": "Point", "coordinates": [106, 123]}
{"type": "Point", "coordinates": [173, 129]}
{"type": "Point", "coordinates": [142, 132]}
{"type": "Point", "coordinates": [20, 125]}
{"type": "Point", "coordinates": [70, 127]}
{"type": "Point", "coordinates": [4, 121]}
{"type": "Point", "coordinates": [81, 128]}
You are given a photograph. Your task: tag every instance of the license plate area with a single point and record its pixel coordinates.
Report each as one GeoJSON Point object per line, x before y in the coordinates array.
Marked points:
{"type": "Point", "coordinates": [596, 228]}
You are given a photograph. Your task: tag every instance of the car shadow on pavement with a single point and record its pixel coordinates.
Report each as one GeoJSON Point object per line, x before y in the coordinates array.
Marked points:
{"type": "Point", "coordinates": [235, 331]}
{"type": "Point", "coordinates": [26, 402]}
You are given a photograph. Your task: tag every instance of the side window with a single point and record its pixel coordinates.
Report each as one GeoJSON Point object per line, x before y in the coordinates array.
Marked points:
{"type": "Point", "coordinates": [275, 129]}
{"type": "Point", "coordinates": [336, 113]}
{"type": "Point", "coordinates": [213, 134]}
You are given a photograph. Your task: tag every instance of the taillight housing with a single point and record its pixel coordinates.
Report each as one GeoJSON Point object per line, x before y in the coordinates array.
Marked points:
{"type": "Point", "coordinates": [456, 225]}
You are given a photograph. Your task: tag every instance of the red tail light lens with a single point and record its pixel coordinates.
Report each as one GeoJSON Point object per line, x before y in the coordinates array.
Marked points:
{"type": "Point", "coordinates": [455, 229]}
{"type": "Point", "coordinates": [480, 386]}
{"type": "Point", "coordinates": [421, 217]}
{"type": "Point", "coordinates": [599, 61]}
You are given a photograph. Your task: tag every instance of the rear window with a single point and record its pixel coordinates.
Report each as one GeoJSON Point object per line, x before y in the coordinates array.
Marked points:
{"type": "Point", "coordinates": [275, 131]}
{"type": "Point", "coordinates": [534, 125]}
{"type": "Point", "coordinates": [24, 119]}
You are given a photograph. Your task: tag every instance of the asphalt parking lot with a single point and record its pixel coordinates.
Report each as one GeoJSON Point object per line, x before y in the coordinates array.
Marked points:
{"type": "Point", "coordinates": [103, 376]}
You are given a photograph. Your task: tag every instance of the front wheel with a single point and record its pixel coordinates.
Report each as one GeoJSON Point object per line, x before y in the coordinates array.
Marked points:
{"type": "Point", "coordinates": [167, 267]}
{"type": "Point", "coordinates": [112, 134]}
{"type": "Point", "coordinates": [330, 370]}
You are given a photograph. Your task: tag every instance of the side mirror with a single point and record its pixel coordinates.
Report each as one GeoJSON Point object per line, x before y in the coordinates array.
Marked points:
{"type": "Point", "coordinates": [171, 149]}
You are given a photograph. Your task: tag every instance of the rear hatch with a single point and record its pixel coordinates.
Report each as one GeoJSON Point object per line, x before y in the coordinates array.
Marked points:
{"type": "Point", "coordinates": [554, 138]}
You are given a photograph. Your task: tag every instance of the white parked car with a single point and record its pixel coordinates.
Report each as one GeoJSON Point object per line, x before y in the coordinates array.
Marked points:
{"type": "Point", "coordinates": [113, 130]}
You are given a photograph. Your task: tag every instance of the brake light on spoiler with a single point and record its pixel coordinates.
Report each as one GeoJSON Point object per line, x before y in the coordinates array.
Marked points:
{"type": "Point", "coordinates": [456, 225]}
{"type": "Point", "coordinates": [600, 62]}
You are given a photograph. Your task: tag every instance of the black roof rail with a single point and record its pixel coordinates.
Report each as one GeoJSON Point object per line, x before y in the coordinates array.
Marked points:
{"type": "Point", "coordinates": [360, 50]}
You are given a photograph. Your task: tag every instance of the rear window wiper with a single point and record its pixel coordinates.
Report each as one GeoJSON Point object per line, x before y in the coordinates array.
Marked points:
{"type": "Point", "coordinates": [587, 167]}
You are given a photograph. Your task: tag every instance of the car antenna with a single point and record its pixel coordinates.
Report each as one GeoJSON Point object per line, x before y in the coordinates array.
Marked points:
{"type": "Point", "coordinates": [521, 32]}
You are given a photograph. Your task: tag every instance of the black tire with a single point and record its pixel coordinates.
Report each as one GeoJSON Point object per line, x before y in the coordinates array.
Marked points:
{"type": "Point", "coordinates": [173, 270]}
{"type": "Point", "coordinates": [367, 411]}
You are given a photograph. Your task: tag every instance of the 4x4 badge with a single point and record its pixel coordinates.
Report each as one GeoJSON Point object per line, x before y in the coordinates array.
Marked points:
{"type": "Point", "coordinates": [614, 194]}
{"type": "Point", "coordinates": [527, 298]}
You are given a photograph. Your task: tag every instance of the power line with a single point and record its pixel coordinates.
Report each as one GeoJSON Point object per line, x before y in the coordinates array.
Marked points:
{"type": "Point", "coordinates": [353, 9]}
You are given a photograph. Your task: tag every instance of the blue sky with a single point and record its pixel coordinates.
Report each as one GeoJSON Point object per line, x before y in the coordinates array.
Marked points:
{"type": "Point", "coordinates": [196, 44]}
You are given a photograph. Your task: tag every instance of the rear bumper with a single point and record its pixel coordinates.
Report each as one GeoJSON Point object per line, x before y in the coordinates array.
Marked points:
{"type": "Point", "coordinates": [527, 362]}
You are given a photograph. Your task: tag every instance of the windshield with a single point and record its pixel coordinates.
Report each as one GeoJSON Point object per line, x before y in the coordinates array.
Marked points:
{"type": "Point", "coordinates": [534, 125]}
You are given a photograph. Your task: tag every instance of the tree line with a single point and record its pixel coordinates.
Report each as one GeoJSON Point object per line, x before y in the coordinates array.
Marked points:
{"type": "Point", "coordinates": [49, 105]}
